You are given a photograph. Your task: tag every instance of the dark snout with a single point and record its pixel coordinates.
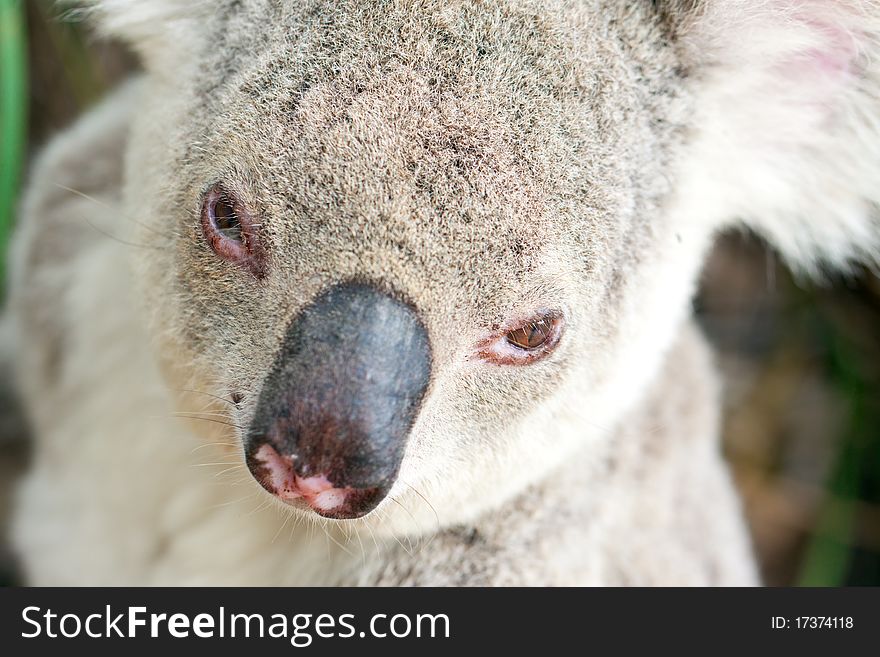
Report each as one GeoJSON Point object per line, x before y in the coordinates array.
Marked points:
{"type": "Point", "coordinates": [336, 410]}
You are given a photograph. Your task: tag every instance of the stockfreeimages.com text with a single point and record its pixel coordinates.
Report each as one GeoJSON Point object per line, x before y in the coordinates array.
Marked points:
{"type": "Point", "coordinates": [299, 629]}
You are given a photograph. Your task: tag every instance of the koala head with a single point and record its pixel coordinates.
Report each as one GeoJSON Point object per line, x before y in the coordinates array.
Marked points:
{"type": "Point", "coordinates": [429, 249]}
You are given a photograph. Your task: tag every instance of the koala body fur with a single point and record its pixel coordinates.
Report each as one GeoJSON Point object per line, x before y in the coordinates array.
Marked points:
{"type": "Point", "coordinates": [484, 160]}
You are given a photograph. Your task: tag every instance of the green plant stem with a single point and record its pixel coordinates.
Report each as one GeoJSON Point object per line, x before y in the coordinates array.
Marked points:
{"type": "Point", "coordinates": [13, 114]}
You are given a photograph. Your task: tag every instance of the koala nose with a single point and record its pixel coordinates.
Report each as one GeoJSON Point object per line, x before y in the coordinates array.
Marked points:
{"type": "Point", "coordinates": [336, 410]}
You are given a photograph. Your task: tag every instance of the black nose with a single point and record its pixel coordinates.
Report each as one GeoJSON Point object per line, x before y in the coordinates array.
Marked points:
{"type": "Point", "coordinates": [337, 408]}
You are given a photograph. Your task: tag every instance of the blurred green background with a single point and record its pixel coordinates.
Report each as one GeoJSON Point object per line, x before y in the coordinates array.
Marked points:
{"type": "Point", "coordinates": [801, 361]}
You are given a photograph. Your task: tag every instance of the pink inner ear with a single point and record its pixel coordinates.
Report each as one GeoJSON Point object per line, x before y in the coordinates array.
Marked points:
{"type": "Point", "coordinates": [840, 55]}
{"type": "Point", "coordinates": [834, 59]}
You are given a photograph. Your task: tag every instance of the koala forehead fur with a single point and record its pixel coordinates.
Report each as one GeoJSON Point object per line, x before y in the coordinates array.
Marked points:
{"type": "Point", "coordinates": [485, 160]}
{"type": "Point", "coordinates": [347, 209]}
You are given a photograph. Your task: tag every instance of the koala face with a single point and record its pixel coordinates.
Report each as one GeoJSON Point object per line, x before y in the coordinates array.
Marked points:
{"type": "Point", "coordinates": [427, 249]}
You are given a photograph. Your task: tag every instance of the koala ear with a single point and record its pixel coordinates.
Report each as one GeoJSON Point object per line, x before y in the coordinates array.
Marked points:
{"type": "Point", "coordinates": [788, 122]}
{"type": "Point", "coordinates": [160, 31]}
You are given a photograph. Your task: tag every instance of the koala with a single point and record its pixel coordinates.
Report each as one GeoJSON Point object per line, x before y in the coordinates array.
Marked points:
{"type": "Point", "coordinates": [398, 292]}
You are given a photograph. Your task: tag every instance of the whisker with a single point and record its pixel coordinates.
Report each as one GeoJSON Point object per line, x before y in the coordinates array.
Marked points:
{"type": "Point", "coordinates": [407, 511]}
{"type": "Point", "coordinates": [196, 449]}
{"type": "Point", "coordinates": [199, 413]}
{"type": "Point", "coordinates": [373, 536]}
{"type": "Point", "coordinates": [283, 525]}
{"type": "Point", "coordinates": [208, 394]}
{"type": "Point", "coordinates": [114, 209]}
{"type": "Point", "coordinates": [425, 499]}
{"type": "Point", "coordinates": [209, 419]}
{"type": "Point", "coordinates": [103, 232]}
{"type": "Point", "coordinates": [234, 467]}
{"type": "Point", "coordinates": [357, 535]}
{"type": "Point", "coordinates": [231, 502]}
{"type": "Point", "coordinates": [94, 200]}
{"type": "Point", "coordinates": [405, 549]}
{"type": "Point", "coordinates": [340, 545]}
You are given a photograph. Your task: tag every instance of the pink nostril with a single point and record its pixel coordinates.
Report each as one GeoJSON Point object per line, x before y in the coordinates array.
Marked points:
{"type": "Point", "coordinates": [279, 478]}
{"type": "Point", "coordinates": [313, 485]}
{"type": "Point", "coordinates": [329, 499]}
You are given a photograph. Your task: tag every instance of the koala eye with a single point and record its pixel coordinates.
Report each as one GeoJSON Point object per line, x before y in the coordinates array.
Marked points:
{"type": "Point", "coordinates": [225, 220]}
{"type": "Point", "coordinates": [527, 343]}
{"type": "Point", "coordinates": [230, 230]}
{"type": "Point", "coordinates": [531, 336]}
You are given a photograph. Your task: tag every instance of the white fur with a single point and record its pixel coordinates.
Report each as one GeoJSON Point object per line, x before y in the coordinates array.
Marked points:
{"type": "Point", "coordinates": [786, 144]}
{"type": "Point", "coordinates": [164, 32]}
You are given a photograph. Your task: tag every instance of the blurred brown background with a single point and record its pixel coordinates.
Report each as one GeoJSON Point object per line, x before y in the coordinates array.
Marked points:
{"type": "Point", "coordinates": [801, 361]}
{"type": "Point", "coordinates": [802, 411]}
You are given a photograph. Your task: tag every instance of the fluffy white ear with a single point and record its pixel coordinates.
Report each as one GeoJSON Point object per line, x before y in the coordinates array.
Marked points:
{"type": "Point", "coordinates": [161, 31]}
{"type": "Point", "coordinates": [788, 122]}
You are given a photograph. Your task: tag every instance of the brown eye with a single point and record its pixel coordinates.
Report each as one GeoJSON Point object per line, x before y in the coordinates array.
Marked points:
{"type": "Point", "coordinates": [225, 220]}
{"type": "Point", "coordinates": [531, 336]}
{"type": "Point", "coordinates": [527, 343]}
{"type": "Point", "coordinates": [231, 231]}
